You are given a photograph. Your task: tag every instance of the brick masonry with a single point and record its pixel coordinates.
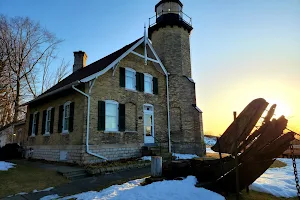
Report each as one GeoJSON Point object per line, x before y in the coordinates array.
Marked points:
{"type": "Point", "coordinates": [113, 145]}
{"type": "Point", "coordinates": [173, 47]}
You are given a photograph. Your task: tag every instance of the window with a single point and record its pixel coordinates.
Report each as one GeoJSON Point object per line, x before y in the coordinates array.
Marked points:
{"type": "Point", "coordinates": [130, 81]}
{"type": "Point", "coordinates": [34, 124]}
{"type": "Point", "coordinates": [48, 121]}
{"type": "Point", "coordinates": [66, 115]}
{"type": "Point", "coordinates": [148, 83]}
{"type": "Point", "coordinates": [111, 115]}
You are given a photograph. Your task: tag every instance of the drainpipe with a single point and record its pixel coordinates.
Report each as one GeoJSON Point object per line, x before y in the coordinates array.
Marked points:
{"type": "Point", "coordinates": [168, 107]}
{"type": "Point", "coordinates": [88, 124]}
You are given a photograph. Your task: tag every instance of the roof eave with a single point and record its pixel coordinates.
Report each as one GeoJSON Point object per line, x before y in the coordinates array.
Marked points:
{"type": "Point", "coordinates": [95, 75]}
{"type": "Point", "coordinates": [75, 83]}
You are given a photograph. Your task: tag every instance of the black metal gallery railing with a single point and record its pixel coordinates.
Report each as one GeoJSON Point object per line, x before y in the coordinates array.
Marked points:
{"type": "Point", "coordinates": [181, 16]}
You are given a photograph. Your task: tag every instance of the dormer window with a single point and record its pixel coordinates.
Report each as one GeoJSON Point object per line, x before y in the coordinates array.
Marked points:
{"type": "Point", "coordinates": [130, 79]}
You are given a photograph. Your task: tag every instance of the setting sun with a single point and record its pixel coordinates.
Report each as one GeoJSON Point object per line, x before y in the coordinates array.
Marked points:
{"type": "Point", "coordinates": [281, 109]}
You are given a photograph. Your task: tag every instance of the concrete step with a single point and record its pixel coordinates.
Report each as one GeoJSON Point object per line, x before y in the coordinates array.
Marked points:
{"type": "Point", "coordinates": [73, 174]}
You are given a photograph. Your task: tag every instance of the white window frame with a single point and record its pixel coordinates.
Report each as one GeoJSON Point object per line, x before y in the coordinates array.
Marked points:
{"type": "Point", "coordinates": [151, 77]}
{"type": "Point", "coordinates": [33, 131]}
{"type": "Point", "coordinates": [151, 112]}
{"type": "Point", "coordinates": [46, 124]}
{"type": "Point", "coordinates": [134, 78]}
{"type": "Point", "coordinates": [117, 115]}
{"type": "Point", "coordinates": [64, 130]}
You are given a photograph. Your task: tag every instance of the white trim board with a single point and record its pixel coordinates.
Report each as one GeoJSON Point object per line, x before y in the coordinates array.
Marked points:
{"type": "Point", "coordinates": [114, 64]}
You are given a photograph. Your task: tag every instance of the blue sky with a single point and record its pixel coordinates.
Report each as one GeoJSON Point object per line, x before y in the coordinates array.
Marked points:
{"type": "Point", "coordinates": [240, 50]}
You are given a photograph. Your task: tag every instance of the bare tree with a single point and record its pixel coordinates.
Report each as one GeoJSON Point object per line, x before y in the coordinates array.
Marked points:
{"type": "Point", "coordinates": [25, 49]}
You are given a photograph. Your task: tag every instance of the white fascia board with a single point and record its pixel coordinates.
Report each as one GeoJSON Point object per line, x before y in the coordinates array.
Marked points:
{"type": "Point", "coordinates": [95, 75]}
{"type": "Point", "coordinates": [140, 55]}
{"type": "Point", "coordinates": [157, 58]}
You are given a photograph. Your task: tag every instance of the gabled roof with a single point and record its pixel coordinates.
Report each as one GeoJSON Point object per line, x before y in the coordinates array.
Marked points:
{"type": "Point", "coordinates": [86, 71]}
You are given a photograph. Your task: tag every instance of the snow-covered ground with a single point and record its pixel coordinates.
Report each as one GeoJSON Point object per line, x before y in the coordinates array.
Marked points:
{"type": "Point", "coordinates": [279, 182]}
{"type": "Point", "coordinates": [164, 190]}
{"type": "Point", "coordinates": [177, 155]}
{"type": "Point", "coordinates": [208, 150]}
{"type": "Point", "coordinates": [209, 141]}
{"type": "Point", "coordinates": [34, 191]}
{"type": "Point", "coordinates": [4, 166]}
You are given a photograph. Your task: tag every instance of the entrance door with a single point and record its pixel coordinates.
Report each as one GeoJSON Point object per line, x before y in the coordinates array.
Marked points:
{"type": "Point", "coordinates": [148, 124]}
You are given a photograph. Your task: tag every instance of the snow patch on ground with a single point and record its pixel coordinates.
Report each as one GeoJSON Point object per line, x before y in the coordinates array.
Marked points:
{"type": "Point", "coordinates": [279, 182]}
{"type": "Point", "coordinates": [4, 166]}
{"type": "Point", "coordinates": [146, 158]}
{"type": "Point", "coordinates": [185, 156]}
{"type": "Point", "coordinates": [210, 141]}
{"type": "Point", "coordinates": [177, 155]}
{"type": "Point", "coordinates": [208, 150]}
{"type": "Point", "coordinates": [34, 191]}
{"type": "Point", "coordinates": [164, 190]}
{"type": "Point", "coordinates": [44, 190]}
{"type": "Point", "coordinates": [50, 197]}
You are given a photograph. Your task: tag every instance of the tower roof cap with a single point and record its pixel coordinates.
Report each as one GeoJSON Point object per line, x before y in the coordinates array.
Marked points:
{"type": "Point", "coordinates": [165, 1]}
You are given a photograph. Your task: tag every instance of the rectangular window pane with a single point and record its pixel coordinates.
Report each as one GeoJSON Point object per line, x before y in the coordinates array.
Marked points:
{"type": "Point", "coordinates": [34, 123]}
{"type": "Point", "coordinates": [111, 123]}
{"type": "Point", "coordinates": [148, 84]}
{"type": "Point", "coordinates": [111, 116]}
{"type": "Point", "coordinates": [66, 125]}
{"type": "Point", "coordinates": [111, 109]}
{"type": "Point", "coordinates": [130, 80]}
{"type": "Point", "coordinates": [48, 126]}
{"type": "Point", "coordinates": [48, 114]}
{"type": "Point", "coordinates": [148, 131]}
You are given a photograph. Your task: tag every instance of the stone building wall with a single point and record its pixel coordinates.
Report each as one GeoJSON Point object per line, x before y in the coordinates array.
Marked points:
{"type": "Point", "coordinates": [107, 87]}
{"type": "Point", "coordinates": [49, 147]}
{"type": "Point", "coordinates": [173, 47]}
{"type": "Point", "coordinates": [113, 145]}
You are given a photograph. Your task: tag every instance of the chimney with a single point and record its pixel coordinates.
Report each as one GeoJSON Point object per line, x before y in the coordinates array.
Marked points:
{"type": "Point", "coordinates": [79, 60]}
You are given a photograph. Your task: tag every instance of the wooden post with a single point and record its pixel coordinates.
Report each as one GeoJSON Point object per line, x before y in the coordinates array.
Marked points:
{"type": "Point", "coordinates": [156, 166]}
{"type": "Point", "coordinates": [237, 189]}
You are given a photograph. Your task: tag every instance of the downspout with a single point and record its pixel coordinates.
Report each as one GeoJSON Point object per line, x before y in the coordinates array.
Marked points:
{"type": "Point", "coordinates": [168, 107]}
{"type": "Point", "coordinates": [88, 123]}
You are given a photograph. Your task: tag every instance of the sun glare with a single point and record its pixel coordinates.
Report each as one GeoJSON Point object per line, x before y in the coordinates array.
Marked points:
{"type": "Point", "coordinates": [282, 109]}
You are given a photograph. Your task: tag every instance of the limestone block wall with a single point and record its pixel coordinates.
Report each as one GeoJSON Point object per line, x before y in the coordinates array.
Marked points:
{"type": "Point", "coordinates": [58, 153]}
{"type": "Point", "coordinates": [113, 152]}
{"type": "Point", "coordinates": [107, 87]}
{"type": "Point", "coordinates": [173, 47]}
{"type": "Point", "coordinates": [77, 153]}
{"type": "Point", "coordinates": [172, 44]}
{"type": "Point", "coordinates": [73, 138]}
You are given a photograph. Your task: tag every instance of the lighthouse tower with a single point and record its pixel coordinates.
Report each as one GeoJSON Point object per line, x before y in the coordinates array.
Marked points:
{"type": "Point", "coordinates": [169, 31]}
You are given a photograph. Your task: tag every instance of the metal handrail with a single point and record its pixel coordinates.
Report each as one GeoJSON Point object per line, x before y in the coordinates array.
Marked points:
{"type": "Point", "coordinates": [184, 17]}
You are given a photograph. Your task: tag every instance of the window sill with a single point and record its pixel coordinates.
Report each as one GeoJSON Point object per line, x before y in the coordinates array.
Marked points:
{"type": "Point", "coordinates": [130, 131]}
{"type": "Point", "coordinates": [131, 90]}
{"type": "Point", "coordinates": [32, 136]}
{"type": "Point", "coordinates": [112, 131]}
{"type": "Point", "coordinates": [65, 133]}
{"type": "Point", "coordinates": [46, 134]}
